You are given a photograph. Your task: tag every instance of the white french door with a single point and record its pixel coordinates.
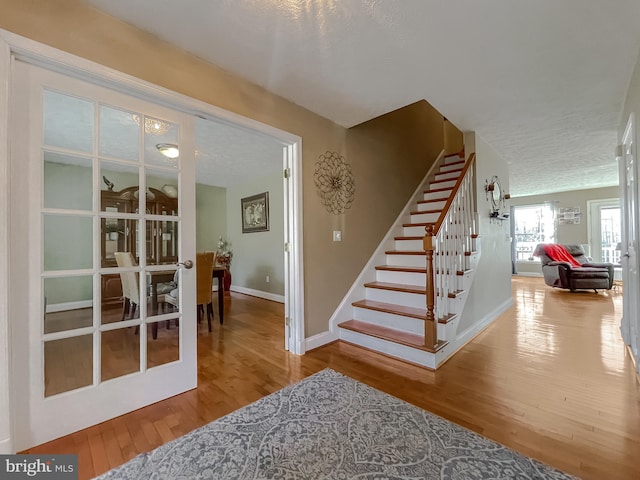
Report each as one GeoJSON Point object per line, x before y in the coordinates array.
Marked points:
{"type": "Point", "coordinates": [628, 168]}
{"type": "Point", "coordinates": [100, 219]}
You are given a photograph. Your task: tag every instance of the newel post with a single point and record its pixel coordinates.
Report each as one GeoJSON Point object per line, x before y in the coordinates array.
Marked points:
{"type": "Point", "coordinates": [430, 326]}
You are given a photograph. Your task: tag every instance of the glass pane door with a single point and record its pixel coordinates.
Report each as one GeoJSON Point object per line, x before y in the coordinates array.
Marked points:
{"type": "Point", "coordinates": [105, 239]}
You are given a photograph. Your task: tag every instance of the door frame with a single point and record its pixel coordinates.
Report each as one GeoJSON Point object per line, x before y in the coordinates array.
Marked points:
{"type": "Point", "coordinates": [630, 309]}
{"type": "Point", "coordinates": [68, 64]}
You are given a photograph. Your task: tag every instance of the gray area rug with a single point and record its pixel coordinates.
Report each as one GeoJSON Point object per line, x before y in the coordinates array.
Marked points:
{"type": "Point", "coordinates": [329, 426]}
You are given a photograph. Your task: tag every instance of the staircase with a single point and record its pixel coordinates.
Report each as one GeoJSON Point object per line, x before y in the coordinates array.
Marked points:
{"type": "Point", "coordinates": [411, 308]}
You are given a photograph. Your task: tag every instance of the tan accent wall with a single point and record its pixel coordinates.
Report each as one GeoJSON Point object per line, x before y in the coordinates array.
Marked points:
{"type": "Point", "coordinates": [453, 139]}
{"type": "Point", "coordinates": [388, 156]}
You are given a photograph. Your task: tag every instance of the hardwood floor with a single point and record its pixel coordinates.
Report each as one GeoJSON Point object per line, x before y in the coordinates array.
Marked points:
{"type": "Point", "coordinates": [550, 379]}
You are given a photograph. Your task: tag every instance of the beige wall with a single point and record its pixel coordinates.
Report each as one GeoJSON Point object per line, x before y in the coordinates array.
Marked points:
{"type": "Point", "coordinates": [576, 233]}
{"type": "Point", "coordinates": [492, 280]}
{"type": "Point", "coordinates": [382, 182]}
{"type": "Point", "coordinates": [632, 103]}
{"type": "Point", "coordinates": [453, 138]}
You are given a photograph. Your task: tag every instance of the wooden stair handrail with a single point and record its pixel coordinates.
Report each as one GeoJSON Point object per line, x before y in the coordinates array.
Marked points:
{"type": "Point", "coordinates": [431, 231]}
{"type": "Point", "coordinates": [454, 191]}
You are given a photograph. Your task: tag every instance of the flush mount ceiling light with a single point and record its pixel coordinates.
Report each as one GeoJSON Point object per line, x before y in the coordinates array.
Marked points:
{"type": "Point", "coordinates": [169, 150]}
{"type": "Point", "coordinates": [153, 126]}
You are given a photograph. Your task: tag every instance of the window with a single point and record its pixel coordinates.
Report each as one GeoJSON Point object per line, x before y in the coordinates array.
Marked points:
{"type": "Point", "coordinates": [532, 224]}
{"type": "Point", "coordinates": [605, 230]}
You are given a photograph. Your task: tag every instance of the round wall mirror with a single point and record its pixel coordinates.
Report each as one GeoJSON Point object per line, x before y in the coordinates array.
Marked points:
{"type": "Point", "coordinates": [495, 195]}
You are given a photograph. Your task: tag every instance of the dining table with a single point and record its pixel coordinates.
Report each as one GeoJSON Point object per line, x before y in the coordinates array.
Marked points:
{"type": "Point", "coordinates": [157, 277]}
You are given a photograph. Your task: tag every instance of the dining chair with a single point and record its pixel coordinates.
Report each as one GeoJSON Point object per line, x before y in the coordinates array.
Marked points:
{"type": "Point", "coordinates": [204, 284]}
{"type": "Point", "coordinates": [130, 284]}
{"type": "Point", "coordinates": [131, 289]}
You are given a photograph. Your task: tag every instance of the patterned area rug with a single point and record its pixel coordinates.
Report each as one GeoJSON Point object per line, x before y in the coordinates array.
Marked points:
{"type": "Point", "coordinates": [332, 427]}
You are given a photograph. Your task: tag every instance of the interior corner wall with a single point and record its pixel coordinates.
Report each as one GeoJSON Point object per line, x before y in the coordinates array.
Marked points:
{"type": "Point", "coordinates": [495, 255]}
{"type": "Point", "coordinates": [631, 103]}
{"type": "Point", "coordinates": [388, 157]}
{"type": "Point", "coordinates": [453, 138]}
{"type": "Point", "coordinates": [257, 255]}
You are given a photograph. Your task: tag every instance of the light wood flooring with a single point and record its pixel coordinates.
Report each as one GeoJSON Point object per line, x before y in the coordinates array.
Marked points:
{"type": "Point", "coordinates": [550, 379]}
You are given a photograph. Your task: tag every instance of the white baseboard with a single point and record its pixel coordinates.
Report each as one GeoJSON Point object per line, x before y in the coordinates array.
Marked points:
{"type": "Point", "coordinates": [468, 335]}
{"type": "Point", "coordinates": [63, 307]}
{"type": "Point", "coordinates": [258, 293]}
{"type": "Point", "coordinates": [320, 339]}
{"type": "Point", "coordinates": [6, 447]}
{"type": "Point", "coordinates": [527, 274]}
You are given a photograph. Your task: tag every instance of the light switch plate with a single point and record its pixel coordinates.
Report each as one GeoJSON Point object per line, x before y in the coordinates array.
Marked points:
{"type": "Point", "coordinates": [337, 236]}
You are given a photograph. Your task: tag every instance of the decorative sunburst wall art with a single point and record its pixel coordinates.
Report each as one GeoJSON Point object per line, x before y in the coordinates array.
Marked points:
{"type": "Point", "coordinates": [334, 182]}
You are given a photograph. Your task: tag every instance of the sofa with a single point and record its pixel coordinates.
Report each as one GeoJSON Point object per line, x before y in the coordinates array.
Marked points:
{"type": "Point", "coordinates": [567, 266]}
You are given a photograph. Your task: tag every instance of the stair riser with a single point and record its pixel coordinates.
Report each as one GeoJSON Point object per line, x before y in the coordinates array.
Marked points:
{"type": "Point", "coordinates": [435, 205]}
{"type": "Point", "coordinates": [424, 217]}
{"type": "Point", "coordinates": [397, 322]}
{"type": "Point", "coordinates": [419, 261]}
{"type": "Point", "coordinates": [451, 166]}
{"type": "Point", "coordinates": [397, 298]}
{"type": "Point", "coordinates": [436, 195]}
{"type": "Point", "coordinates": [453, 159]}
{"type": "Point", "coordinates": [447, 331]}
{"type": "Point", "coordinates": [407, 278]}
{"type": "Point", "coordinates": [392, 349]}
{"type": "Point", "coordinates": [417, 231]}
{"type": "Point", "coordinates": [447, 175]}
{"type": "Point", "coordinates": [408, 245]}
{"type": "Point", "coordinates": [447, 184]}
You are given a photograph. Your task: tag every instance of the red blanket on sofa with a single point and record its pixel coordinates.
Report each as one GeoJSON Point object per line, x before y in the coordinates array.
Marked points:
{"type": "Point", "coordinates": [559, 253]}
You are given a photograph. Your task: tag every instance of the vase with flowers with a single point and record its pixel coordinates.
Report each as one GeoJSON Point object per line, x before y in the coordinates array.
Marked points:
{"type": "Point", "coordinates": [224, 255]}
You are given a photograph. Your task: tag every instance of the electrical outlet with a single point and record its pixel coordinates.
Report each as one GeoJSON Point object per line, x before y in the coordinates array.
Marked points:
{"type": "Point", "coordinates": [337, 236]}
{"type": "Point", "coordinates": [267, 279]}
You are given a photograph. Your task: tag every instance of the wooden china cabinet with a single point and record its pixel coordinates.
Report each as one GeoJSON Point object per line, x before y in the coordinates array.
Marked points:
{"type": "Point", "coordinates": [123, 235]}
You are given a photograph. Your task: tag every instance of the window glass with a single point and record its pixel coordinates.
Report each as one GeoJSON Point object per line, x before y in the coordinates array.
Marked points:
{"type": "Point", "coordinates": [533, 224]}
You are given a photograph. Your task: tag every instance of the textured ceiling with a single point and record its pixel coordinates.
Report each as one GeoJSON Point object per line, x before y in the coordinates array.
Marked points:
{"type": "Point", "coordinates": [226, 155]}
{"type": "Point", "coordinates": [541, 81]}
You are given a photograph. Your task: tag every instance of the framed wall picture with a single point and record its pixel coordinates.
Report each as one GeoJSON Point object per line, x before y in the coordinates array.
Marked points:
{"type": "Point", "coordinates": [255, 213]}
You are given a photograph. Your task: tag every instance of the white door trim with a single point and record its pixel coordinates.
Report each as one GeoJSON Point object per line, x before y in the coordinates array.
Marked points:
{"type": "Point", "coordinates": [630, 325]}
{"type": "Point", "coordinates": [6, 438]}
{"type": "Point", "coordinates": [57, 60]}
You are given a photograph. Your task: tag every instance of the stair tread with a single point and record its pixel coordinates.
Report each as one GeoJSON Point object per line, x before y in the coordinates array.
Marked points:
{"type": "Point", "coordinates": [392, 308]}
{"type": "Point", "coordinates": [433, 200]}
{"type": "Point", "coordinates": [420, 224]}
{"type": "Point", "coordinates": [443, 180]}
{"type": "Point", "coordinates": [447, 319]}
{"type": "Point", "coordinates": [396, 287]}
{"type": "Point", "coordinates": [461, 162]}
{"type": "Point", "coordinates": [396, 268]}
{"type": "Point", "coordinates": [396, 336]}
{"type": "Point", "coordinates": [420, 212]}
{"type": "Point", "coordinates": [405, 252]}
{"type": "Point", "coordinates": [433, 190]}
{"type": "Point", "coordinates": [457, 170]}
